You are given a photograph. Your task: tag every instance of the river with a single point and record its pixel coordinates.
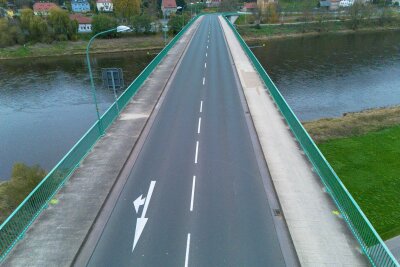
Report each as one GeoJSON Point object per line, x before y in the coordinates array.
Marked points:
{"type": "Point", "coordinates": [46, 105]}
{"type": "Point", "coordinates": [328, 75]}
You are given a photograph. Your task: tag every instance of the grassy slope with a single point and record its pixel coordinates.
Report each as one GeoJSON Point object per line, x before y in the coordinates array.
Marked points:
{"type": "Point", "coordinates": [369, 167]}
{"type": "Point", "coordinates": [79, 47]}
{"type": "Point", "coordinates": [356, 123]}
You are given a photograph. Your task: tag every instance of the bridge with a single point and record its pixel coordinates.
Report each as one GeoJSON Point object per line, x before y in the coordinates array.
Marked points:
{"type": "Point", "coordinates": [206, 165]}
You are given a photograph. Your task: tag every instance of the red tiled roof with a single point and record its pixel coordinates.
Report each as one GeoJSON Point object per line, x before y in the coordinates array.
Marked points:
{"type": "Point", "coordinates": [168, 3]}
{"type": "Point", "coordinates": [104, 1]}
{"type": "Point", "coordinates": [81, 19]}
{"type": "Point", "coordinates": [43, 6]}
{"type": "Point", "coordinates": [250, 5]}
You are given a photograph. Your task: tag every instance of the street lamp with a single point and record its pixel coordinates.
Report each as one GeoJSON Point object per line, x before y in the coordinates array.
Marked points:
{"type": "Point", "coordinates": [191, 9]}
{"type": "Point", "coordinates": [117, 29]}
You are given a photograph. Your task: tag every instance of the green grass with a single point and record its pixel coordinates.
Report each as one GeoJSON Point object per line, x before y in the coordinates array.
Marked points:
{"type": "Point", "coordinates": [296, 5]}
{"type": "Point", "coordinates": [369, 167]}
{"type": "Point", "coordinates": [12, 192]}
{"type": "Point", "coordinates": [79, 47]}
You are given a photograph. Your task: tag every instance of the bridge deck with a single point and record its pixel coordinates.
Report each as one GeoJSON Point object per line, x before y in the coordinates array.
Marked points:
{"type": "Point", "coordinates": [320, 237]}
{"type": "Point", "coordinates": [201, 165]}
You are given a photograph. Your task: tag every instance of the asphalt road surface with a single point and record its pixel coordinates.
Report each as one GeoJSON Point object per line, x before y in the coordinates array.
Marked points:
{"type": "Point", "coordinates": [195, 195]}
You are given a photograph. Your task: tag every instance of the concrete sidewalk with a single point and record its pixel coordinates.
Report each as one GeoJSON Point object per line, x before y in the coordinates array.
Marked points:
{"type": "Point", "coordinates": [320, 237]}
{"type": "Point", "coordinates": [394, 245]}
{"type": "Point", "coordinates": [58, 233]}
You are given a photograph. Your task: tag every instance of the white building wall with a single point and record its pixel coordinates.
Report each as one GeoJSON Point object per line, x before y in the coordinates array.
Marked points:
{"type": "Point", "coordinates": [104, 7]}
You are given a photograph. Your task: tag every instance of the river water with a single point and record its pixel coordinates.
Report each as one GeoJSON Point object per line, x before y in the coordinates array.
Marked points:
{"type": "Point", "coordinates": [46, 104]}
{"type": "Point", "coordinates": [328, 75]}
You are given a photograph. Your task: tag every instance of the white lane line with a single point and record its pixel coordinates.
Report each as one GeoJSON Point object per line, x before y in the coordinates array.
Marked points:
{"type": "Point", "coordinates": [204, 80]}
{"type": "Point", "coordinates": [206, 54]}
{"type": "Point", "coordinates": [197, 152]}
{"type": "Point", "coordinates": [201, 106]}
{"type": "Point", "coordinates": [187, 250]}
{"type": "Point", "coordinates": [207, 46]}
{"type": "Point", "coordinates": [193, 187]}
{"type": "Point", "coordinates": [205, 65]}
{"type": "Point", "coordinates": [199, 126]}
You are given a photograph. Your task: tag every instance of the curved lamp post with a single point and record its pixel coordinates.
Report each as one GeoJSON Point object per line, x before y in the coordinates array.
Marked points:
{"type": "Point", "coordinates": [117, 29]}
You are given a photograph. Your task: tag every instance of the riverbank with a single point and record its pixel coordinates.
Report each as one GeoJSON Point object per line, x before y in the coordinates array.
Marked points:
{"type": "Point", "coordinates": [363, 148]}
{"type": "Point", "coordinates": [353, 124]}
{"type": "Point", "coordinates": [253, 34]}
{"type": "Point", "coordinates": [126, 44]}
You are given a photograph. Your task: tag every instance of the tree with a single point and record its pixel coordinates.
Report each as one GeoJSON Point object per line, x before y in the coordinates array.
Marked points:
{"type": "Point", "coordinates": [356, 13]}
{"type": "Point", "coordinates": [141, 23]}
{"type": "Point", "coordinates": [176, 22]}
{"type": "Point", "coordinates": [103, 22]}
{"type": "Point", "coordinates": [127, 8]}
{"type": "Point", "coordinates": [38, 30]}
{"type": "Point", "coordinates": [271, 13]}
{"type": "Point", "coordinates": [35, 27]}
{"type": "Point", "coordinates": [63, 28]}
{"type": "Point", "coordinates": [26, 17]}
{"type": "Point", "coordinates": [181, 3]}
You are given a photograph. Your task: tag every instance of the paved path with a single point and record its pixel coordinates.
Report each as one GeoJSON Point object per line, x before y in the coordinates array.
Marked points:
{"type": "Point", "coordinates": [394, 246]}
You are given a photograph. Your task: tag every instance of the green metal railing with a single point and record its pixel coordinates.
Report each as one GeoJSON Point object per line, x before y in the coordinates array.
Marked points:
{"type": "Point", "coordinates": [15, 226]}
{"type": "Point", "coordinates": [371, 243]}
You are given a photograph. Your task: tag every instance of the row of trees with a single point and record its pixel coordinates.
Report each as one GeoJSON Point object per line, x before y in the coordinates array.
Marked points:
{"type": "Point", "coordinates": [31, 28]}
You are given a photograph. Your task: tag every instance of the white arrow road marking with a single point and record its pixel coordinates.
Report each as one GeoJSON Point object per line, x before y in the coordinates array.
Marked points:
{"type": "Point", "coordinates": [141, 222]}
{"type": "Point", "coordinates": [138, 202]}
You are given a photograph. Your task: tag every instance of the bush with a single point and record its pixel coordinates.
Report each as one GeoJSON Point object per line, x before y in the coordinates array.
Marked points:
{"type": "Point", "coordinates": [10, 34]}
{"type": "Point", "coordinates": [176, 22]}
{"type": "Point", "coordinates": [102, 23]}
{"type": "Point", "coordinates": [141, 24]}
{"type": "Point", "coordinates": [23, 180]}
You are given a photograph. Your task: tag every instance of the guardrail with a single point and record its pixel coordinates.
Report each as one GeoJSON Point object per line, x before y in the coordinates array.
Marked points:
{"type": "Point", "coordinates": [371, 243]}
{"type": "Point", "coordinates": [15, 226]}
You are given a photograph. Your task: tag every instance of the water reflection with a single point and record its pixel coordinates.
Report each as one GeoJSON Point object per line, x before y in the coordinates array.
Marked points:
{"type": "Point", "coordinates": [328, 75]}
{"type": "Point", "coordinates": [46, 105]}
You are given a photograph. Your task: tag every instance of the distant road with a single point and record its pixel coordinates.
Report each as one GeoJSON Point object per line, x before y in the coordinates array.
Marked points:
{"type": "Point", "coordinates": [195, 195]}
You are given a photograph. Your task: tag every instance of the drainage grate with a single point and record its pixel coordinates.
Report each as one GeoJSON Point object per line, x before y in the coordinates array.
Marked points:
{"type": "Point", "coordinates": [277, 212]}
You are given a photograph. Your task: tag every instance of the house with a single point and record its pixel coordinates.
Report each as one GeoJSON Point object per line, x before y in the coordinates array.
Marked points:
{"type": "Point", "coordinates": [80, 6]}
{"type": "Point", "coordinates": [84, 23]}
{"type": "Point", "coordinates": [213, 3]}
{"type": "Point", "coordinates": [330, 4]}
{"type": "Point", "coordinates": [168, 7]}
{"type": "Point", "coordinates": [250, 7]}
{"type": "Point", "coordinates": [43, 9]}
{"type": "Point", "coordinates": [104, 5]}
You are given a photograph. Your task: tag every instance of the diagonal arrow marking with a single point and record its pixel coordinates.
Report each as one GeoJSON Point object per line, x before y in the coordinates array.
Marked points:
{"type": "Point", "coordinates": [138, 202]}
{"type": "Point", "coordinates": [141, 222]}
